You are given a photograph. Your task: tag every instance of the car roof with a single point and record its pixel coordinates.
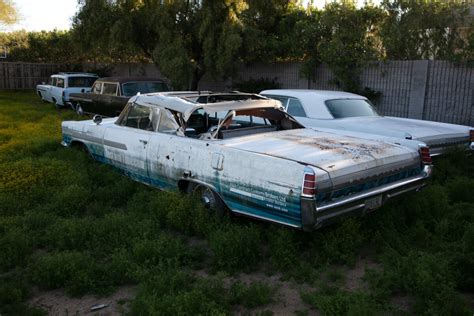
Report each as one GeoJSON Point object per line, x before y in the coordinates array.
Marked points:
{"type": "Point", "coordinates": [313, 100]}
{"type": "Point", "coordinates": [75, 74]}
{"type": "Point", "coordinates": [122, 80]}
{"type": "Point", "coordinates": [182, 104]}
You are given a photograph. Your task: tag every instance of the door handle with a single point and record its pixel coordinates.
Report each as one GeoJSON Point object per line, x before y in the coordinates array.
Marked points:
{"type": "Point", "coordinates": [143, 141]}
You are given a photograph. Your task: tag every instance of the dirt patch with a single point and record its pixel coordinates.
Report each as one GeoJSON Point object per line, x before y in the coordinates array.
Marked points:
{"type": "Point", "coordinates": [287, 301]}
{"type": "Point", "coordinates": [354, 276]}
{"type": "Point", "coordinates": [57, 302]}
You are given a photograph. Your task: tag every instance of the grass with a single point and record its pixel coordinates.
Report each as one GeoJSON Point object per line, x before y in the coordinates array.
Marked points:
{"type": "Point", "coordinates": [68, 222]}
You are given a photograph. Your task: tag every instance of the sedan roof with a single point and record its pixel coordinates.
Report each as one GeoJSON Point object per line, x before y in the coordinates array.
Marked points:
{"type": "Point", "coordinates": [314, 100]}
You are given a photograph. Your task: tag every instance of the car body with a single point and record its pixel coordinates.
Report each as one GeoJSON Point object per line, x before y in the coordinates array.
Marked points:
{"type": "Point", "coordinates": [354, 113]}
{"type": "Point", "coordinates": [109, 95]}
{"type": "Point", "coordinates": [61, 85]}
{"type": "Point", "coordinates": [250, 157]}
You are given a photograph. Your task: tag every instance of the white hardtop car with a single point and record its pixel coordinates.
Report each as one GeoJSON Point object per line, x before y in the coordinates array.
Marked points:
{"type": "Point", "coordinates": [350, 112]}
{"type": "Point", "coordinates": [61, 85]}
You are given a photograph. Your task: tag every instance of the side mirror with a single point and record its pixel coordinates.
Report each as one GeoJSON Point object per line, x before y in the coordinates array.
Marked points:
{"type": "Point", "coordinates": [42, 82]}
{"type": "Point", "coordinates": [97, 119]}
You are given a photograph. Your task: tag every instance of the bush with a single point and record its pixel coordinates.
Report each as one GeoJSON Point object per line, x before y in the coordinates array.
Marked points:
{"type": "Point", "coordinates": [15, 248]}
{"type": "Point", "coordinates": [253, 295]}
{"type": "Point", "coordinates": [337, 302]}
{"type": "Point", "coordinates": [235, 248]}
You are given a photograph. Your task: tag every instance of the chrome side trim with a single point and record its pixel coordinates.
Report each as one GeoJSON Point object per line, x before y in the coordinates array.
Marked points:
{"type": "Point", "coordinates": [94, 139]}
{"type": "Point", "coordinates": [115, 144]}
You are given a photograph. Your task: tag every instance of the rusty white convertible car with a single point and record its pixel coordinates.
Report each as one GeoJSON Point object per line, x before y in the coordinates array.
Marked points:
{"type": "Point", "coordinates": [250, 157]}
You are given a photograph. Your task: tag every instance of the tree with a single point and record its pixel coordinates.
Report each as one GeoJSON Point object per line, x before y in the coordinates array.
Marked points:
{"type": "Point", "coordinates": [8, 13]}
{"type": "Point", "coordinates": [184, 38]}
{"type": "Point", "coordinates": [415, 29]}
{"type": "Point", "coordinates": [348, 41]}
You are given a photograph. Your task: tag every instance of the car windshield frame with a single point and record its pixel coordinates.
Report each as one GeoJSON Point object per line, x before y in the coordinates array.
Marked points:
{"type": "Point", "coordinates": [333, 111]}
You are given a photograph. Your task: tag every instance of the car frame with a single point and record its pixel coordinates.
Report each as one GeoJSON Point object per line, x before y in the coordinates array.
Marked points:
{"type": "Point", "coordinates": [108, 96]}
{"type": "Point", "coordinates": [59, 87]}
{"type": "Point", "coordinates": [254, 160]}
{"type": "Point", "coordinates": [311, 108]}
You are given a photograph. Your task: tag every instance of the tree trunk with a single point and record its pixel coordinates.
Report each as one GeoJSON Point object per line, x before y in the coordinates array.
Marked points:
{"type": "Point", "coordinates": [197, 75]}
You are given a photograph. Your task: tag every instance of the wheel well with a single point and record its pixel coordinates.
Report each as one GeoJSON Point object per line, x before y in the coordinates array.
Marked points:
{"type": "Point", "coordinates": [183, 186]}
{"type": "Point", "coordinates": [79, 145]}
{"type": "Point", "coordinates": [39, 94]}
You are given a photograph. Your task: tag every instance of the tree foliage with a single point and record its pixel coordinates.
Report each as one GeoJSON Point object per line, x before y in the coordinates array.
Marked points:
{"type": "Point", "coordinates": [415, 29]}
{"type": "Point", "coordinates": [8, 13]}
{"type": "Point", "coordinates": [187, 39]}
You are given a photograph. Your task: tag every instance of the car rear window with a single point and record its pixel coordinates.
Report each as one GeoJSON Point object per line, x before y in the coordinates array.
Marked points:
{"type": "Point", "coordinates": [74, 82]}
{"type": "Point", "coordinates": [132, 88]}
{"type": "Point", "coordinates": [341, 108]}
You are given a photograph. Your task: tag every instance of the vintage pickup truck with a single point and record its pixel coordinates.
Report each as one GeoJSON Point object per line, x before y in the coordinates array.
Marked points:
{"type": "Point", "coordinates": [250, 157]}
{"type": "Point", "coordinates": [352, 113]}
{"type": "Point", "coordinates": [109, 95]}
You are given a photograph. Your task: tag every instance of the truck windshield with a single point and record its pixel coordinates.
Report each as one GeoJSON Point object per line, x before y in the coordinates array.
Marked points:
{"type": "Point", "coordinates": [76, 82]}
{"type": "Point", "coordinates": [132, 88]}
{"type": "Point", "coordinates": [341, 108]}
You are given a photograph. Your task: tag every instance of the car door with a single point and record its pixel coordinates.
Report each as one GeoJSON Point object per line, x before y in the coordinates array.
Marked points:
{"type": "Point", "coordinates": [106, 98]}
{"type": "Point", "coordinates": [126, 142]}
{"type": "Point", "coordinates": [57, 90]}
{"type": "Point", "coordinates": [47, 91]}
{"type": "Point", "coordinates": [168, 153]}
{"type": "Point", "coordinates": [89, 100]}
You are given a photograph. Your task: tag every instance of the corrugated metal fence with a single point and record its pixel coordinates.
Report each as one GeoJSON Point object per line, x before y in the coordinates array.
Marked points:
{"type": "Point", "coordinates": [432, 90]}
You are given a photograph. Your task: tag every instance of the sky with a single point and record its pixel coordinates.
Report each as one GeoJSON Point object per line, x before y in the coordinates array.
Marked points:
{"type": "Point", "coordinates": [46, 15]}
{"type": "Point", "coordinates": [36, 15]}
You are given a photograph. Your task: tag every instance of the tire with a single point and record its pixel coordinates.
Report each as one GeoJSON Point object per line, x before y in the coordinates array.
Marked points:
{"type": "Point", "coordinates": [56, 105]}
{"type": "Point", "coordinates": [210, 199]}
{"type": "Point", "coordinates": [79, 110]}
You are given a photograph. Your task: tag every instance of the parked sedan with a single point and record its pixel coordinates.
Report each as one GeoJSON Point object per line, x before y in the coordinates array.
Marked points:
{"type": "Point", "coordinates": [354, 113]}
{"type": "Point", "coordinates": [110, 95]}
{"type": "Point", "coordinates": [61, 85]}
{"type": "Point", "coordinates": [250, 157]}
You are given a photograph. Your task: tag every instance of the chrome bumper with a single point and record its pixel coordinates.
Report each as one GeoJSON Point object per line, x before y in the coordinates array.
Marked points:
{"type": "Point", "coordinates": [315, 216]}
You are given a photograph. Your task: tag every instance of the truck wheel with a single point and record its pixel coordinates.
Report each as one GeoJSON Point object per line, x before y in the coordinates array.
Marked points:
{"type": "Point", "coordinates": [210, 199]}
{"type": "Point", "coordinates": [79, 110]}
{"type": "Point", "coordinates": [56, 105]}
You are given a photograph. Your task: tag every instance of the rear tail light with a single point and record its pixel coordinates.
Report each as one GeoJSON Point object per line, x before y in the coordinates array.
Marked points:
{"type": "Point", "coordinates": [425, 156]}
{"type": "Point", "coordinates": [309, 183]}
{"type": "Point", "coordinates": [471, 135]}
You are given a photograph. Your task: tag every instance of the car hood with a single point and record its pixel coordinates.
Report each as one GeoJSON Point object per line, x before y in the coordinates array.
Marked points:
{"type": "Point", "coordinates": [346, 159]}
{"type": "Point", "coordinates": [429, 132]}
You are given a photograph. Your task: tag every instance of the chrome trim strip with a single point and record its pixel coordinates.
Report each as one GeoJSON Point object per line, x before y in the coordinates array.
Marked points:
{"type": "Point", "coordinates": [266, 218]}
{"type": "Point", "coordinates": [94, 139]}
{"type": "Point", "coordinates": [114, 144]}
{"type": "Point", "coordinates": [354, 198]}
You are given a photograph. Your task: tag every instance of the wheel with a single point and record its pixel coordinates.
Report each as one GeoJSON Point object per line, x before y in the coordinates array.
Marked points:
{"type": "Point", "coordinates": [56, 105]}
{"type": "Point", "coordinates": [210, 199]}
{"type": "Point", "coordinates": [79, 110]}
